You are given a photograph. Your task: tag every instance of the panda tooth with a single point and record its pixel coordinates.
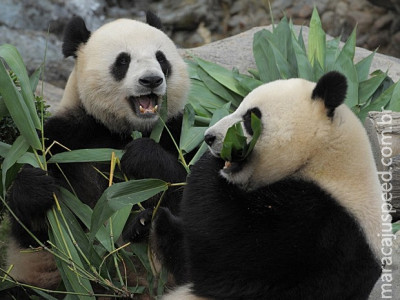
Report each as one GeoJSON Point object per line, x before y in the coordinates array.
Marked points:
{"type": "Point", "coordinates": [142, 110]}
{"type": "Point", "coordinates": [155, 108]}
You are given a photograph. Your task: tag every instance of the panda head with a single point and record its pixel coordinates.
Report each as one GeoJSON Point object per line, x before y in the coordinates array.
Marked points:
{"type": "Point", "coordinates": [123, 72]}
{"type": "Point", "coordinates": [299, 118]}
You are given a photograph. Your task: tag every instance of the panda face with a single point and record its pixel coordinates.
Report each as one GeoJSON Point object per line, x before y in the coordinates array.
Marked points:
{"type": "Point", "coordinates": [124, 71]}
{"type": "Point", "coordinates": [294, 128]}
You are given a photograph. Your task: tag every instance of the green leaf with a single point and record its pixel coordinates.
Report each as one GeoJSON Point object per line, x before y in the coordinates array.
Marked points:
{"type": "Point", "coordinates": [264, 56]}
{"type": "Point", "coordinates": [332, 52]}
{"type": "Point", "coordinates": [367, 88]}
{"type": "Point", "coordinates": [34, 79]}
{"type": "Point", "coordinates": [246, 82]}
{"type": "Point", "coordinates": [217, 88]}
{"type": "Point", "coordinates": [316, 40]}
{"type": "Point", "coordinates": [379, 103]}
{"type": "Point", "coordinates": [349, 49]}
{"type": "Point", "coordinates": [222, 75]}
{"type": "Point", "coordinates": [235, 146]}
{"type": "Point", "coordinates": [60, 237]}
{"type": "Point", "coordinates": [202, 99]}
{"type": "Point", "coordinates": [85, 155]}
{"type": "Point", "coordinates": [394, 103]}
{"type": "Point", "coordinates": [346, 66]}
{"type": "Point", "coordinates": [304, 68]}
{"type": "Point", "coordinates": [17, 108]}
{"type": "Point", "coordinates": [159, 127]}
{"type": "Point", "coordinates": [16, 151]}
{"type": "Point", "coordinates": [256, 126]}
{"type": "Point", "coordinates": [191, 136]}
{"type": "Point", "coordinates": [84, 214]}
{"type": "Point", "coordinates": [121, 195]}
{"type": "Point", "coordinates": [14, 60]}
{"type": "Point", "coordinates": [363, 67]}
{"type": "Point", "coordinates": [395, 227]}
{"type": "Point", "coordinates": [234, 143]}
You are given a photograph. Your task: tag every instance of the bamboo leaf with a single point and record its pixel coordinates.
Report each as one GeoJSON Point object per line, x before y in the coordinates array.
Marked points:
{"type": "Point", "coordinates": [60, 237]}
{"type": "Point", "coordinates": [264, 56]}
{"type": "Point", "coordinates": [159, 127]}
{"type": "Point", "coordinates": [332, 52]}
{"type": "Point", "coordinates": [316, 40]}
{"type": "Point", "coordinates": [34, 79]}
{"type": "Point", "coordinates": [363, 67]}
{"type": "Point", "coordinates": [84, 214]}
{"type": "Point", "coordinates": [17, 108]}
{"type": "Point", "coordinates": [14, 60]}
{"type": "Point", "coordinates": [349, 49]}
{"type": "Point", "coordinates": [379, 103]}
{"type": "Point", "coordinates": [222, 75]}
{"type": "Point", "coordinates": [367, 88]}
{"type": "Point", "coordinates": [394, 103]}
{"type": "Point", "coordinates": [217, 88]}
{"type": "Point", "coordinates": [191, 136]}
{"type": "Point", "coordinates": [85, 155]}
{"type": "Point", "coordinates": [121, 195]}
{"type": "Point", "coordinates": [16, 151]}
{"type": "Point", "coordinates": [304, 69]}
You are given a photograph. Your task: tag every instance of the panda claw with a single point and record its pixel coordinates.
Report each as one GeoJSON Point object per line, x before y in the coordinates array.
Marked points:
{"type": "Point", "coordinates": [142, 221]}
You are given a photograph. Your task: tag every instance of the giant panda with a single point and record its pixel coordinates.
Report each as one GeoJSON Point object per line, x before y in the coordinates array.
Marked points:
{"type": "Point", "coordinates": [122, 73]}
{"type": "Point", "coordinates": [297, 219]}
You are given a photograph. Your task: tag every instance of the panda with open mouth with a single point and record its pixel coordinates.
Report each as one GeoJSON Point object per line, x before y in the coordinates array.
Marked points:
{"type": "Point", "coordinates": [124, 73]}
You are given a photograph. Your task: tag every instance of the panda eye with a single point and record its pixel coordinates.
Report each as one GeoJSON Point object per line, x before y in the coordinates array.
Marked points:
{"type": "Point", "coordinates": [123, 59]}
{"type": "Point", "coordinates": [247, 118]}
{"type": "Point", "coordinates": [160, 57]}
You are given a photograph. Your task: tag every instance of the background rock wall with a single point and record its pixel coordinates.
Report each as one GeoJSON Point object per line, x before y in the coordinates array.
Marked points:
{"type": "Point", "coordinates": [191, 23]}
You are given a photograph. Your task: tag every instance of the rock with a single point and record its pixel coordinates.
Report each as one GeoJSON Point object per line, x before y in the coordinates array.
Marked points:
{"type": "Point", "coordinates": [32, 47]}
{"type": "Point", "coordinates": [383, 22]}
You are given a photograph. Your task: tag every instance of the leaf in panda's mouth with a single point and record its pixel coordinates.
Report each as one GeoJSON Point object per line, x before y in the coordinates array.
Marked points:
{"type": "Point", "coordinates": [235, 148]}
{"type": "Point", "coordinates": [144, 105]}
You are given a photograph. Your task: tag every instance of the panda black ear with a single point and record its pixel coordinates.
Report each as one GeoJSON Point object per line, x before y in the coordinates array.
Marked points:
{"type": "Point", "coordinates": [153, 20]}
{"type": "Point", "coordinates": [75, 34]}
{"type": "Point", "coordinates": [332, 89]}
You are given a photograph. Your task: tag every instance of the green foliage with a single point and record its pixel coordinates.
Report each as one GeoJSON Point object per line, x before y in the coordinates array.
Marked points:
{"type": "Point", "coordinates": [94, 255]}
{"type": "Point", "coordinates": [235, 146]}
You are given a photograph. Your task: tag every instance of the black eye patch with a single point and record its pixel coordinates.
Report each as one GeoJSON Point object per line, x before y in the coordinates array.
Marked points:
{"type": "Point", "coordinates": [164, 63]}
{"type": "Point", "coordinates": [120, 66]}
{"type": "Point", "coordinates": [247, 118]}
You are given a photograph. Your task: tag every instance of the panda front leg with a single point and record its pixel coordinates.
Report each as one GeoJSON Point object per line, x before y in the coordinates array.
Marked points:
{"type": "Point", "coordinates": [30, 197]}
{"type": "Point", "coordinates": [144, 158]}
{"type": "Point", "coordinates": [166, 238]}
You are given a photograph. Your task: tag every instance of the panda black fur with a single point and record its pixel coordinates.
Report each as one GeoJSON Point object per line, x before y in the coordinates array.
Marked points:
{"type": "Point", "coordinates": [298, 219]}
{"type": "Point", "coordinates": [122, 71]}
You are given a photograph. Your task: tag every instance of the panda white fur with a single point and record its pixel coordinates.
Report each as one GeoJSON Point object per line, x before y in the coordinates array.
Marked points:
{"type": "Point", "coordinates": [298, 219]}
{"type": "Point", "coordinates": [122, 72]}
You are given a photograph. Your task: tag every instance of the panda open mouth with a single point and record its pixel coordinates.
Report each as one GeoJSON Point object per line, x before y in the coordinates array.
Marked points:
{"type": "Point", "coordinates": [145, 105]}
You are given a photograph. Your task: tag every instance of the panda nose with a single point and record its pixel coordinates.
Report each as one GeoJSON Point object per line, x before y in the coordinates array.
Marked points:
{"type": "Point", "coordinates": [151, 81]}
{"type": "Point", "coordinates": [209, 139]}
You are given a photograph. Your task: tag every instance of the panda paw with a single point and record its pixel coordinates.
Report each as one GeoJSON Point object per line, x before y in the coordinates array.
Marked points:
{"type": "Point", "coordinates": [141, 158]}
{"type": "Point", "coordinates": [31, 194]}
{"type": "Point", "coordinates": [139, 229]}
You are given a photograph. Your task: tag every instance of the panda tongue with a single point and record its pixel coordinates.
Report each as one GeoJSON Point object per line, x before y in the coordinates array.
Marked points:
{"type": "Point", "coordinates": [145, 102]}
